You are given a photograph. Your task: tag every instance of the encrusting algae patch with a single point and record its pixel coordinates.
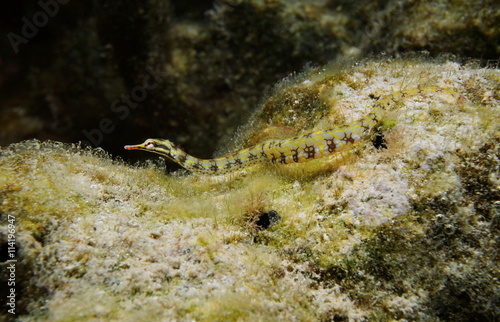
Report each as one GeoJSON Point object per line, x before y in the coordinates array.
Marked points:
{"type": "Point", "coordinates": [404, 225]}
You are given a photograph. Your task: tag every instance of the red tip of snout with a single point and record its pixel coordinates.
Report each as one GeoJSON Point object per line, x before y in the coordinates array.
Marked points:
{"type": "Point", "coordinates": [131, 147]}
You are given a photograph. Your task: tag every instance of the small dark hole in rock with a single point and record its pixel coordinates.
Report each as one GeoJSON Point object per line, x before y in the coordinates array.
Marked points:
{"type": "Point", "coordinates": [267, 219]}
{"type": "Point", "coordinates": [379, 141]}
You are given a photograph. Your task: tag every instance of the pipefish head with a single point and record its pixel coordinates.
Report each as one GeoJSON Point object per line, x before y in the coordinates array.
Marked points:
{"type": "Point", "coordinates": [163, 147]}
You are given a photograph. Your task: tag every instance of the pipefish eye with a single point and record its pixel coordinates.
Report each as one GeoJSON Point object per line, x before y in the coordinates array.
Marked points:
{"type": "Point", "coordinates": [150, 144]}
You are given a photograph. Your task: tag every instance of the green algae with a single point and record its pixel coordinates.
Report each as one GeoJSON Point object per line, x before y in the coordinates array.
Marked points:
{"type": "Point", "coordinates": [406, 232]}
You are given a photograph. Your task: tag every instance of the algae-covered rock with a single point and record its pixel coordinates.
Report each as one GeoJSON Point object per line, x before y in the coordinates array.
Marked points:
{"type": "Point", "coordinates": [406, 229]}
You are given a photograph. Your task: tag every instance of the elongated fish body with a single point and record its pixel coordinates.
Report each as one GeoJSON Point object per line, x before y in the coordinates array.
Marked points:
{"type": "Point", "coordinates": [297, 149]}
{"type": "Point", "coordinates": [294, 150]}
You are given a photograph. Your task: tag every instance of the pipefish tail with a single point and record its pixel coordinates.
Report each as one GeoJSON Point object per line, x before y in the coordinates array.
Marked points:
{"type": "Point", "coordinates": [294, 150]}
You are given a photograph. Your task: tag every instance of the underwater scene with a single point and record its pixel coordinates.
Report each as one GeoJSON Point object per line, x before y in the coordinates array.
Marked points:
{"type": "Point", "coordinates": [250, 160]}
